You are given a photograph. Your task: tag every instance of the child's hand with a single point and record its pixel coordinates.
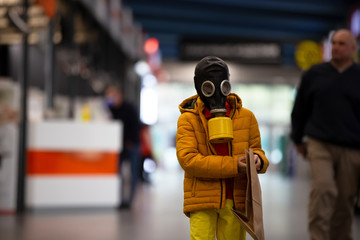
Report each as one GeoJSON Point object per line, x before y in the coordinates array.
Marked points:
{"type": "Point", "coordinates": [241, 164]}
{"type": "Point", "coordinates": [257, 162]}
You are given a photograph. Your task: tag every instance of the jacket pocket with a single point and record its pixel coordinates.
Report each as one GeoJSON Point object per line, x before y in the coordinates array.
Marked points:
{"type": "Point", "coordinates": [193, 187]}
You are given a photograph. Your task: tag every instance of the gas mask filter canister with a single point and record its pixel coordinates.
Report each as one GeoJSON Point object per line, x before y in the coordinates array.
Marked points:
{"type": "Point", "coordinates": [220, 130]}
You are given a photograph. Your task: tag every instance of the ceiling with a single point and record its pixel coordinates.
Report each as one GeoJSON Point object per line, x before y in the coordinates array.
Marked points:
{"type": "Point", "coordinates": [284, 21]}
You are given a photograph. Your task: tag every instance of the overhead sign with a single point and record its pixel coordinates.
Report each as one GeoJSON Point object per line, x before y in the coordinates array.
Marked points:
{"type": "Point", "coordinates": [246, 52]}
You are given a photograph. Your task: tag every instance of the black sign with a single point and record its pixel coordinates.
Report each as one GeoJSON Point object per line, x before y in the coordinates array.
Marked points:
{"type": "Point", "coordinates": [245, 52]}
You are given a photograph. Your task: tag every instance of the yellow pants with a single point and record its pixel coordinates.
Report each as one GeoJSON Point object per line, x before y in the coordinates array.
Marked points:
{"type": "Point", "coordinates": [204, 225]}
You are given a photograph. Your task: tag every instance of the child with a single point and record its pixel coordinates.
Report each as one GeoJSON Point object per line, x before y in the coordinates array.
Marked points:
{"type": "Point", "coordinates": [214, 130]}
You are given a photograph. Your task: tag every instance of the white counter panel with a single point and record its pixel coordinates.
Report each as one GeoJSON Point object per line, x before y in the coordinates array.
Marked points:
{"type": "Point", "coordinates": [71, 135]}
{"type": "Point", "coordinates": [72, 191]}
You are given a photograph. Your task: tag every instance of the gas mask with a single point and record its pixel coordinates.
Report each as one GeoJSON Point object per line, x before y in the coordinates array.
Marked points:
{"type": "Point", "coordinates": [213, 86]}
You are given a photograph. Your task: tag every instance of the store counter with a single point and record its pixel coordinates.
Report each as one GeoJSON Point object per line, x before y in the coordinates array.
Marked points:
{"type": "Point", "coordinates": [73, 164]}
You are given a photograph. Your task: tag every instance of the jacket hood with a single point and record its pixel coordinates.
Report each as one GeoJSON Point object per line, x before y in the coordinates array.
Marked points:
{"type": "Point", "coordinates": [195, 105]}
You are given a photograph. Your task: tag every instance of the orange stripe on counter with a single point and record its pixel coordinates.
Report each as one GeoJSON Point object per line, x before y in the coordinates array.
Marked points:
{"type": "Point", "coordinates": [71, 162]}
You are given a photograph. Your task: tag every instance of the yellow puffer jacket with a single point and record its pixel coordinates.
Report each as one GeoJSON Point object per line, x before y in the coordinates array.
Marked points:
{"type": "Point", "coordinates": [204, 185]}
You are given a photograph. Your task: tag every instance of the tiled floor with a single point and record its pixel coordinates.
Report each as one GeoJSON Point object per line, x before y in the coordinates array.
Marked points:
{"type": "Point", "coordinates": [157, 214]}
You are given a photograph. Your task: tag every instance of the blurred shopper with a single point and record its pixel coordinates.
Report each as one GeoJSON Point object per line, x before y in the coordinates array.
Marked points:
{"type": "Point", "coordinates": [215, 177]}
{"type": "Point", "coordinates": [327, 113]}
{"type": "Point", "coordinates": [128, 114]}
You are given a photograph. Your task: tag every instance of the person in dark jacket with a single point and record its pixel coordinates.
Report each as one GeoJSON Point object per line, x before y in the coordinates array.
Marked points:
{"type": "Point", "coordinates": [326, 130]}
{"type": "Point", "coordinates": [127, 113]}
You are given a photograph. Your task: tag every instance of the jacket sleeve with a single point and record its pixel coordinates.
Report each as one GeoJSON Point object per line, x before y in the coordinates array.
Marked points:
{"type": "Point", "coordinates": [192, 161]}
{"type": "Point", "coordinates": [255, 143]}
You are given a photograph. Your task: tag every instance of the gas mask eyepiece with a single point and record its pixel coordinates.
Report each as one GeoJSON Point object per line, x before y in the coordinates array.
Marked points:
{"type": "Point", "coordinates": [207, 88]}
{"type": "Point", "coordinates": [225, 87]}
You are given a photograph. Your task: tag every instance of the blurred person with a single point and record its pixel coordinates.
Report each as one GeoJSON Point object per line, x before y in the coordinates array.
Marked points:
{"type": "Point", "coordinates": [214, 164]}
{"type": "Point", "coordinates": [326, 130]}
{"type": "Point", "coordinates": [126, 112]}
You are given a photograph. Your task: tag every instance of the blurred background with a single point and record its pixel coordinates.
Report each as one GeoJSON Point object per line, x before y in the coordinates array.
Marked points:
{"type": "Point", "coordinates": [59, 145]}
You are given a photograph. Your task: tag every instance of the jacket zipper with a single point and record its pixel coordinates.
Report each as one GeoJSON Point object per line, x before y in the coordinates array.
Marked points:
{"type": "Point", "coordinates": [221, 195]}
